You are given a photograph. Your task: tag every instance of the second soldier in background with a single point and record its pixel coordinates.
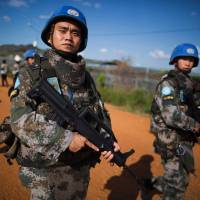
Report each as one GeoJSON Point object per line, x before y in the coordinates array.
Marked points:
{"type": "Point", "coordinates": [174, 124]}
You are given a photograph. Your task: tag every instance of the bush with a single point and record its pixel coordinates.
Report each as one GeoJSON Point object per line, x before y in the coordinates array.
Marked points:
{"type": "Point", "coordinates": [101, 80]}
{"type": "Point", "coordinates": [135, 101]}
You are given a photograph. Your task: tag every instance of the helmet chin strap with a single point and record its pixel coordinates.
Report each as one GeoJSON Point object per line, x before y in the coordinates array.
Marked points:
{"type": "Point", "coordinates": [69, 56]}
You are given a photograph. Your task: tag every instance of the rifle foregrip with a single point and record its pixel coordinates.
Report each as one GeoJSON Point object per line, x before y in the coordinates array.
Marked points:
{"type": "Point", "coordinates": [120, 158]}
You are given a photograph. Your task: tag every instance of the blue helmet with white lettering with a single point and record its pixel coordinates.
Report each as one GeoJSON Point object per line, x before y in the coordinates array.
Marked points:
{"type": "Point", "coordinates": [67, 12]}
{"type": "Point", "coordinates": [30, 53]}
{"type": "Point", "coordinates": [185, 50]}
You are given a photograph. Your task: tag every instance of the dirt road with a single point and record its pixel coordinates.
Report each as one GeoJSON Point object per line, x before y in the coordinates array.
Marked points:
{"type": "Point", "coordinates": [112, 183]}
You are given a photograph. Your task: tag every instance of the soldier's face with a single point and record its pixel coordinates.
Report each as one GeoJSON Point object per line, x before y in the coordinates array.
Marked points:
{"type": "Point", "coordinates": [66, 37]}
{"type": "Point", "coordinates": [185, 64]}
{"type": "Point", "coordinates": [30, 61]}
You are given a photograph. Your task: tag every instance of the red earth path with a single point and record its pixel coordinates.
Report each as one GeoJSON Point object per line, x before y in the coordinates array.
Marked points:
{"type": "Point", "coordinates": [112, 183]}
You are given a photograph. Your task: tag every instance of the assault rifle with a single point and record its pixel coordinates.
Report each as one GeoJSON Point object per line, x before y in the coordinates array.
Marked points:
{"type": "Point", "coordinates": [67, 114]}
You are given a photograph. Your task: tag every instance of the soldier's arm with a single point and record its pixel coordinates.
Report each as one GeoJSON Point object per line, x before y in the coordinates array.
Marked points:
{"type": "Point", "coordinates": [33, 129]}
{"type": "Point", "coordinates": [171, 112]}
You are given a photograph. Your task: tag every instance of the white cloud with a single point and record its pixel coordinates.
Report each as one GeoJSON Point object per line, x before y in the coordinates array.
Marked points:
{"type": "Point", "coordinates": [120, 52]}
{"type": "Point", "coordinates": [17, 3]}
{"type": "Point", "coordinates": [103, 50]}
{"type": "Point", "coordinates": [97, 5]}
{"type": "Point", "coordinates": [29, 24]}
{"type": "Point", "coordinates": [86, 3]}
{"type": "Point", "coordinates": [159, 54]}
{"type": "Point", "coordinates": [6, 18]}
{"type": "Point", "coordinates": [44, 16]}
{"type": "Point", "coordinates": [194, 13]}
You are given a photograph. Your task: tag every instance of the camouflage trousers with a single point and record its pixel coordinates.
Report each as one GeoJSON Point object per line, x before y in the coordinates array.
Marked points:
{"type": "Point", "coordinates": [56, 183]}
{"type": "Point", "coordinates": [174, 181]}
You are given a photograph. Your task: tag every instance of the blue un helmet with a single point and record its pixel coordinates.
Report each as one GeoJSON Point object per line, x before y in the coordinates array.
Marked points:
{"type": "Point", "coordinates": [30, 53]}
{"type": "Point", "coordinates": [185, 50]}
{"type": "Point", "coordinates": [67, 12]}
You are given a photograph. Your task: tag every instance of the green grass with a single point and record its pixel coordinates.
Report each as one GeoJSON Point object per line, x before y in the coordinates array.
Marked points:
{"type": "Point", "coordinates": [133, 100]}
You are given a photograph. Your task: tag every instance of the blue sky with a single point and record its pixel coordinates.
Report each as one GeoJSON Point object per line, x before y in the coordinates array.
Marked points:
{"type": "Point", "coordinates": [143, 31]}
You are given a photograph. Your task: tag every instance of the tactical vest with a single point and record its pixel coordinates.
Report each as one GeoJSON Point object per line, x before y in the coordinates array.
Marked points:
{"type": "Point", "coordinates": [84, 156]}
{"type": "Point", "coordinates": [184, 94]}
{"type": "Point", "coordinates": [196, 86]}
{"type": "Point", "coordinates": [182, 145]}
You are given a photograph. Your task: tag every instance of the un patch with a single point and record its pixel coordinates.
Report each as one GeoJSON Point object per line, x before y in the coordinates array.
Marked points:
{"type": "Point", "coordinates": [54, 82]}
{"type": "Point", "coordinates": [17, 83]}
{"type": "Point", "coordinates": [167, 96]}
{"type": "Point", "coordinates": [166, 91]}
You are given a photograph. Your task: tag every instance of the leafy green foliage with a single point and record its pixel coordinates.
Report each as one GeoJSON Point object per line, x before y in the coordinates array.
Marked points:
{"type": "Point", "coordinates": [101, 80]}
{"type": "Point", "coordinates": [134, 100]}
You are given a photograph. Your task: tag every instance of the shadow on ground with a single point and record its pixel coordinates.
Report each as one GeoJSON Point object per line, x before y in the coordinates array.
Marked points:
{"type": "Point", "coordinates": [126, 187]}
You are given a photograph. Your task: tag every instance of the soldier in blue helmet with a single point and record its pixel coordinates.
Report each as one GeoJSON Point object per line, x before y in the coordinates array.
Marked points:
{"type": "Point", "coordinates": [29, 56]}
{"type": "Point", "coordinates": [174, 125]}
{"type": "Point", "coordinates": [29, 60]}
{"type": "Point", "coordinates": [55, 160]}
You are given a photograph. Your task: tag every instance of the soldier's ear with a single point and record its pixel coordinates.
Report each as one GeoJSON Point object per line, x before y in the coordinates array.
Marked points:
{"type": "Point", "coordinates": [49, 40]}
{"type": "Point", "coordinates": [50, 34]}
{"type": "Point", "coordinates": [176, 63]}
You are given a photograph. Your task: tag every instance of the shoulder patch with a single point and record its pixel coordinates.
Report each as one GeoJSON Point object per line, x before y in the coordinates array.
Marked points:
{"type": "Point", "coordinates": [17, 83]}
{"type": "Point", "coordinates": [14, 93]}
{"type": "Point", "coordinates": [54, 82]}
{"type": "Point", "coordinates": [167, 95]}
{"type": "Point", "coordinates": [166, 91]}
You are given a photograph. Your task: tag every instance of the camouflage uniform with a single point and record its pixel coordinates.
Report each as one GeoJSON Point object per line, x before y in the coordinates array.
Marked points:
{"type": "Point", "coordinates": [196, 86]}
{"type": "Point", "coordinates": [173, 124]}
{"type": "Point", "coordinates": [43, 153]}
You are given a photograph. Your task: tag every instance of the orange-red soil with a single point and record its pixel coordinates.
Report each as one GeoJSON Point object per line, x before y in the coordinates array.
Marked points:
{"type": "Point", "coordinates": [107, 182]}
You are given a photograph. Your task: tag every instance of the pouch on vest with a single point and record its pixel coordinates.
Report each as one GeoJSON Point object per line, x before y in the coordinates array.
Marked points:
{"type": "Point", "coordinates": [8, 138]}
{"type": "Point", "coordinates": [161, 148]}
{"type": "Point", "coordinates": [186, 157]}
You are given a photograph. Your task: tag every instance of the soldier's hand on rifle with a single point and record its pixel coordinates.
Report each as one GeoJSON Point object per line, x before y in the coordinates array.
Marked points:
{"type": "Point", "coordinates": [78, 142]}
{"type": "Point", "coordinates": [108, 155]}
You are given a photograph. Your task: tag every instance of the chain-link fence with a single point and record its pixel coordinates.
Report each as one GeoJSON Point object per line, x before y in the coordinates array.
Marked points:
{"type": "Point", "coordinates": [127, 81]}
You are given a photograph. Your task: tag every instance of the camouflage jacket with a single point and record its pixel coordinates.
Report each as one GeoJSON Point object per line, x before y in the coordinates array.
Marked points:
{"type": "Point", "coordinates": [42, 139]}
{"type": "Point", "coordinates": [196, 86]}
{"type": "Point", "coordinates": [171, 108]}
